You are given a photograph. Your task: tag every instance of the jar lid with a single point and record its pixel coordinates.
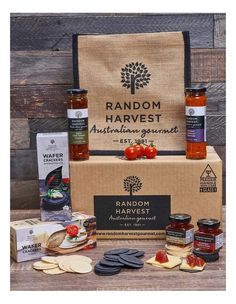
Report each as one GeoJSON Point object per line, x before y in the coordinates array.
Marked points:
{"type": "Point", "coordinates": [208, 223]}
{"type": "Point", "coordinates": [180, 217]}
{"type": "Point", "coordinates": [76, 91]}
{"type": "Point", "coordinates": [195, 89]}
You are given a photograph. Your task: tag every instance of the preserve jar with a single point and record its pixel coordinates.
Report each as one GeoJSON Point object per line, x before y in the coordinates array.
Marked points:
{"type": "Point", "coordinates": [77, 114]}
{"type": "Point", "coordinates": [209, 237]}
{"type": "Point", "coordinates": [180, 231]}
{"type": "Point", "coordinates": [195, 111]}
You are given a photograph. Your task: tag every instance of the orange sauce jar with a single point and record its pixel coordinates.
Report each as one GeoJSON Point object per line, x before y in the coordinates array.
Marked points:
{"type": "Point", "coordinates": [195, 110]}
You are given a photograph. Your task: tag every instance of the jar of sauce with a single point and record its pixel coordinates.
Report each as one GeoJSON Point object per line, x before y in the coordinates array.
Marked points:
{"type": "Point", "coordinates": [77, 114]}
{"type": "Point", "coordinates": [180, 231]}
{"type": "Point", "coordinates": [209, 237]}
{"type": "Point", "coordinates": [195, 110]}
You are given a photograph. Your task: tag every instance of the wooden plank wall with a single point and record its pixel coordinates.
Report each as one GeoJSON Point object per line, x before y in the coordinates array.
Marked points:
{"type": "Point", "coordinates": [41, 70]}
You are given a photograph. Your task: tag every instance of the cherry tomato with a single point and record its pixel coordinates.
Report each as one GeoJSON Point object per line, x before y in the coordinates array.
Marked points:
{"type": "Point", "coordinates": [199, 262]}
{"type": "Point", "coordinates": [150, 152]}
{"type": "Point", "coordinates": [131, 153]}
{"type": "Point", "coordinates": [161, 256]}
{"type": "Point", "coordinates": [72, 230]}
{"type": "Point", "coordinates": [191, 260]}
{"type": "Point", "coordinates": [140, 150]}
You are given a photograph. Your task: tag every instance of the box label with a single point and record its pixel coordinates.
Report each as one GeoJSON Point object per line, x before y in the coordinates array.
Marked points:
{"type": "Point", "coordinates": [208, 180]}
{"type": "Point", "coordinates": [131, 212]}
{"type": "Point", "coordinates": [196, 124]}
{"type": "Point", "coordinates": [78, 126]}
{"type": "Point", "coordinates": [179, 237]}
{"type": "Point", "coordinates": [209, 242]}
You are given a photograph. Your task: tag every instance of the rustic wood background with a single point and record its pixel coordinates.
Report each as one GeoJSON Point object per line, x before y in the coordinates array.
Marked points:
{"type": "Point", "coordinates": [41, 71]}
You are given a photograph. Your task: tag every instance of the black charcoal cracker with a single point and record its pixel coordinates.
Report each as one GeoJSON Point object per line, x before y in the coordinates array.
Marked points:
{"type": "Point", "coordinates": [129, 264]}
{"type": "Point", "coordinates": [131, 259]}
{"type": "Point", "coordinates": [110, 263]}
{"type": "Point", "coordinates": [106, 270]}
{"type": "Point", "coordinates": [111, 257]}
{"type": "Point", "coordinates": [98, 272]}
{"type": "Point", "coordinates": [116, 251]}
{"type": "Point", "coordinates": [140, 253]}
{"type": "Point", "coordinates": [131, 251]}
{"type": "Point", "coordinates": [207, 257]}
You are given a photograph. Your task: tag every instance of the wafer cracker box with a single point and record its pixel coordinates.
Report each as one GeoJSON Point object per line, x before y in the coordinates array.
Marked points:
{"type": "Point", "coordinates": [54, 179]}
{"type": "Point", "coordinates": [33, 238]}
{"type": "Point", "coordinates": [133, 199]}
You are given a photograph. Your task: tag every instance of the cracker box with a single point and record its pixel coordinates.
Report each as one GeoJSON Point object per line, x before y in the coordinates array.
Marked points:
{"type": "Point", "coordinates": [31, 238]}
{"type": "Point", "coordinates": [54, 178]}
{"type": "Point", "coordinates": [133, 199]}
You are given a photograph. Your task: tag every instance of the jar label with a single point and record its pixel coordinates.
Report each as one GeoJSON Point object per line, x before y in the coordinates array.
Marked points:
{"type": "Point", "coordinates": [180, 237]}
{"type": "Point", "coordinates": [208, 242]}
{"type": "Point", "coordinates": [195, 124]}
{"type": "Point", "coordinates": [78, 126]}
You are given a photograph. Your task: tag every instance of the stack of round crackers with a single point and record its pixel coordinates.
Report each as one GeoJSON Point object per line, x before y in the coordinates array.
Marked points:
{"type": "Point", "coordinates": [177, 251]}
{"type": "Point", "coordinates": [116, 259]}
{"type": "Point", "coordinates": [61, 264]}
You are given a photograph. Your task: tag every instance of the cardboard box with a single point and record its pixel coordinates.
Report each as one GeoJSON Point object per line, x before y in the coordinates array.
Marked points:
{"type": "Point", "coordinates": [133, 199]}
{"type": "Point", "coordinates": [54, 177]}
{"type": "Point", "coordinates": [31, 238]}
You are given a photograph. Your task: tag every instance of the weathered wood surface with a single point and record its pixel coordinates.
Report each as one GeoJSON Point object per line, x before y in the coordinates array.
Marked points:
{"type": "Point", "coordinates": [48, 67]}
{"type": "Point", "coordinates": [219, 30]}
{"type": "Point", "coordinates": [24, 194]}
{"type": "Point", "coordinates": [53, 32]}
{"type": "Point", "coordinates": [208, 65]}
{"type": "Point", "coordinates": [42, 101]}
{"type": "Point", "coordinates": [23, 277]}
{"type": "Point", "coordinates": [19, 134]}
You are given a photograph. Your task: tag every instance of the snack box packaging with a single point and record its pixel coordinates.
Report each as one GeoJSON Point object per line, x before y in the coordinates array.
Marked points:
{"type": "Point", "coordinates": [32, 238]}
{"type": "Point", "coordinates": [54, 178]}
{"type": "Point", "coordinates": [133, 199]}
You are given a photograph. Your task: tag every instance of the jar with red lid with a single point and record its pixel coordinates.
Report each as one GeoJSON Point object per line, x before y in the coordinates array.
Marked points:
{"type": "Point", "coordinates": [180, 231]}
{"type": "Point", "coordinates": [209, 237]}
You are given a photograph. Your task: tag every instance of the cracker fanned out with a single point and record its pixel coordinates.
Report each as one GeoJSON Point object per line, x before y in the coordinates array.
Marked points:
{"type": "Point", "coordinates": [173, 262]}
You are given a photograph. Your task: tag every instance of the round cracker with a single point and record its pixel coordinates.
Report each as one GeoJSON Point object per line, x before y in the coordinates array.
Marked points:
{"type": "Point", "coordinates": [49, 259]}
{"type": "Point", "coordinates": [64, 267]}
{"type": "Point", "coordinates": [73, 257]}
{"type": "Point", "coordinates": [81, 267]}
{"type": "Point", "coordinates": [81, 258]}
{"type": "Point", "coordinates": [54, 271]}
{"type": "Point", "coordinates": [178, 254]}
{"type": "Point", "coordinates": [43, 265]}
{"type": "Point", "coordinates": [177, 248]}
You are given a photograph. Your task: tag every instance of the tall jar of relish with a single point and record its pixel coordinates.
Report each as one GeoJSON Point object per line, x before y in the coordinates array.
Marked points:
{"type": "Point", "coordinates": [195, 110]}
{"type": "Point", "coordinates": [77, 114]}
{"type": "Point", "coordinates": [209, 237]}
{"type": "Point", "coordinates": [180, 231]}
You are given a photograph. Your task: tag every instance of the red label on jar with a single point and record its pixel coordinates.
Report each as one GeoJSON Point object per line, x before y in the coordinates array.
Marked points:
{"type": "Point", "coordinates": [208, 242]}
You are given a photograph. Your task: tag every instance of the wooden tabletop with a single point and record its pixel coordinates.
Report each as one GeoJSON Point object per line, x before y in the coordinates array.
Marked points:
{"type": "Point", "coordinates": [23, 277]}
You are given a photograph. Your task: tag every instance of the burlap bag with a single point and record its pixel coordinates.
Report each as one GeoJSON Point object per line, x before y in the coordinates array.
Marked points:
{"type": "Point", "coordinates": [135, 88]}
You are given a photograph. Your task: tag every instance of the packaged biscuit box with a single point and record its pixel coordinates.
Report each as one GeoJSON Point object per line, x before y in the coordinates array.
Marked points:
{"type": "Point", "coordinates": [54, 178]}
{"type": "Point", "coordinates": [33, 238]}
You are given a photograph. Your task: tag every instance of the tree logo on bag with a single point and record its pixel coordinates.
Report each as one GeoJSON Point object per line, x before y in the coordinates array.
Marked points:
{"type": "Point", "coordinates": [135, 75]}
{"type": "Point", "coordinates": [132, 184]}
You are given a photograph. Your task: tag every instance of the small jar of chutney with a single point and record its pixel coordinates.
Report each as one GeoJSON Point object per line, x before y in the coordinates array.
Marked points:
{"type": "Point", "coordinates": [180, 231]}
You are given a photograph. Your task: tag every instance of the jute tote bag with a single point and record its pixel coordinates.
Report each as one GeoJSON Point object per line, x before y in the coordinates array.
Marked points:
{"type": "Point", "coordinates": [135, 88]}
